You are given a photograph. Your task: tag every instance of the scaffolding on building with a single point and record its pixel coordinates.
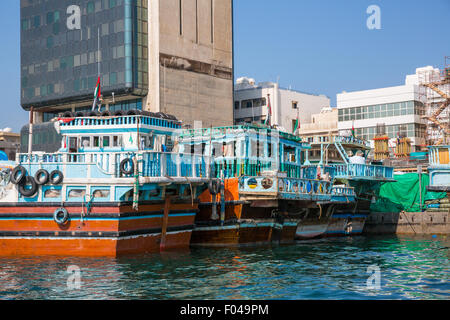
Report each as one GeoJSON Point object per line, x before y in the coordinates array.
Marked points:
{"type": "Point", "coordinates": [434, 93]}
{"type": "Point", "coordinates": [381, 142]}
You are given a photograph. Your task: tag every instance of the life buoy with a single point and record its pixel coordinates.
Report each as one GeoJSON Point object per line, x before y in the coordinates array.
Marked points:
{"type": "Point", "coordinates": [18, 179]}
{"type": "Point", "coordinates": [27, 193]}
{"type": "Point", "coordinates": [214, 186]}
{"type": "Point", "coordinates": [61, 216]}
{"type": "Point", "coordinates": [123, 164]}
{"type": "Point", "coordinates": [41, 177]}
{"type": "Point", "coordinates": [56, 177]}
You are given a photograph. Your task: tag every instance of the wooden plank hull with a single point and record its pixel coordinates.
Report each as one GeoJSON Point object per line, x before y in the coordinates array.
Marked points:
{"type": "Point", "coordinates": [110, 229]}
{"type": "Point", "coordinates": [311, 230]}
{"type": "Point", "coordinates": [342, 225]}
{"type": "Point", "coordinates": [245, 223]}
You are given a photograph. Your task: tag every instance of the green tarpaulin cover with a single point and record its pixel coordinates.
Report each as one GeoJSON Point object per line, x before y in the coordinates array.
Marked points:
{"type": "Point", "coordinates": [403, 195]}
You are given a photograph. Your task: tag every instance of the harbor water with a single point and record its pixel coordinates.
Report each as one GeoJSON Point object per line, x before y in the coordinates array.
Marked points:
{"type": "Point", "coordinates": [341, 268]}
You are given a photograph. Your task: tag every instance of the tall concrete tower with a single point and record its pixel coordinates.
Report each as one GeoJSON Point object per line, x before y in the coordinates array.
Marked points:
{"type": "Point", "coordinates": [171, 56]}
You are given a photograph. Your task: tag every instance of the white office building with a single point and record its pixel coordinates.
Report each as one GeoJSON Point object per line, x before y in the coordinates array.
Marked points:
{"type": "Point", "coordinates": [251, 104]}
{"type": "Point", "coordinates": [400, 109]}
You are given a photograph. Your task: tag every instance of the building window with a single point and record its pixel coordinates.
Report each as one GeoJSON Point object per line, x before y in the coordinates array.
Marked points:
{"type": "Point", "coordinates": [237, 104]}
{"type": "Point", "coordinates": [247, 104]}
{"type": "Point", "coordinates": [294, 104]}
{"type": "Point", "coordinates": [381, 111]}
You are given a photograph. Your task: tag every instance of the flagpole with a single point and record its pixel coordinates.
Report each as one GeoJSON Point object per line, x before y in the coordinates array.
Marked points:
{"type": "Point", "coordinates": [269, 111]}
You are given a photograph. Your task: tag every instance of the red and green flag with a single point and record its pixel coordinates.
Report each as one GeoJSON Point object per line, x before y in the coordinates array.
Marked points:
{"type": "Point", "coordinates": [97, 94]}
{"type": "Point", "coordinates": [297, 125]}
{"type": "Point", "coordinates": [353, 130]}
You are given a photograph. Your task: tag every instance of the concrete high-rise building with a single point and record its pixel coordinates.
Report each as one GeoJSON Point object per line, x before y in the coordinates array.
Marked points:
{"type": "Point", "coordinates": [9, 143]}
{"type": "Point", "coordinates": [171, 56]}
{"type": "Point", "coordinates": [251, 104]}
{"type": "Point", "coordinates": [398, 109]}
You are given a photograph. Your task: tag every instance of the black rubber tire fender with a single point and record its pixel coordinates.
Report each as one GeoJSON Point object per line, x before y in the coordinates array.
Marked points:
{"type": "Point", "coordinates": [93, 114]}
{"type": "Point", "coordinates": [133, 112]}
{"type": "Point", "coordinates": [123, 163]}
{"type": "Point", "coordinates": [119, 113]}
{"type": "Point", "coordinates": [38, 177]}
{"type": "Point", "coordinates": [28, 193]}
{"type": "Point", "coordinates": [56, 181]}
{"type": "Point", "coordinates": [61, 216]}
{"type": "Point", "coordinates": [18, 180]}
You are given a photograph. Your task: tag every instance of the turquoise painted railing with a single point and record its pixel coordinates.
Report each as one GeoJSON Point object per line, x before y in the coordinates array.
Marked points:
{"type": "Point", "coordinates": [122, 120]}
{"type": "Point", "coordinates": [347, 191]}
{"type": "Point", "coordinates": [351, 140]}
{"type": "Point", "coordinates": [273, 185]}
{"type": "Point", "coordinates": [304, 186]}
{"type": "Point", "coordinates": [310, 172]}
{"type": "Point", "coordinates": [205, 132]}
{"type": "Point", "coordinates": [152, 164]}
{"type": "Point", "coordinates": [363, 171]}
{"type": "Point", "coordinates": [235, 167]}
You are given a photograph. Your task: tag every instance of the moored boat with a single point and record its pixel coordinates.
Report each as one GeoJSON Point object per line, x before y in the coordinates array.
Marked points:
{"type": "Point", "coordinates": [353, 170]}
{"type": "Point", "coordinates": [269, 191]}
{"type": "Point", "coordinates": [117, 185]}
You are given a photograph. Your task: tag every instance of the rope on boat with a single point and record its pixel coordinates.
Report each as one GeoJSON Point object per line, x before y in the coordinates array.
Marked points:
{"type": "Point", "coordinates": [88, 208]}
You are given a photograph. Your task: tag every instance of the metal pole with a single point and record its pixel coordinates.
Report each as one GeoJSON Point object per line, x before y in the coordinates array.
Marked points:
{"type": "Point", "coordinates": [165, 223]}
{"type": "Point", "coordinates": [30, 133]}
{"type": "Point", "coordinates": [419, 171]}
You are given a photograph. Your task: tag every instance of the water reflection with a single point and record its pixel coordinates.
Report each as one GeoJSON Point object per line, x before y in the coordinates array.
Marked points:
{"type": "Point", "coordinates": [411, 268]}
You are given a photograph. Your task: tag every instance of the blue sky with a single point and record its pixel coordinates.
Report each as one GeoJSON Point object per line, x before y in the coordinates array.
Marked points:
{"type": "Point", "coordinates": [321, 46]}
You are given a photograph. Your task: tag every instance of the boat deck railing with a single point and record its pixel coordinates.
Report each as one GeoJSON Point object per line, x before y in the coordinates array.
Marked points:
{"type": "Point", "coordinates": [338, 190]}
{"type": "Point", "coordinates": [236, 167]}
{"type": "Point", "coordinates": [363, 171]}
{"type": "Point", "coordinates": [120, 121]}
{"type": "Point", "coordinates": [351, 140]}
{"type": "Point", "coordinates": [202, 132]}
{"type": "Point", "coordinates": [107, 164]}
{"type": "Point", "coordinates": [284, 188]}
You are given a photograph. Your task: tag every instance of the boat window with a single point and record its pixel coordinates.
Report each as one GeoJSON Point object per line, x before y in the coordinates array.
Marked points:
{"type": "Point", "coordinates": [257, 148]}
{"type": "Point", "coordinates": [77, 193]}
{"type": "Point", "coordinates": [116, 141]}
{"type": "Point", "coordinates": [150, 142]}
{"type": "Point", "coordinates": [229, 149]}
{"type": "Point", "coordinates": [217, 149]}
{"type": "Point", "coordinates": [73, 144]}
{"type": "Point", "coordinates": [106, 142]}
{"type": "Point", "coordinates": [96, 142]}
{"type": "Point", "coordinates": [289, 154]}
{"type": "Point", "coordinates": [52, 193]}
{"type": "Point", "coordinates": [254, 149]}
{"type": "Point", "coordinates": [101, 193]}
{"type": "Point", "coordinates": [270, 150]}
{"type": "Point", "coordinates": [86, 142]}
{"type": "Point", "coordinates": [169, 143]}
